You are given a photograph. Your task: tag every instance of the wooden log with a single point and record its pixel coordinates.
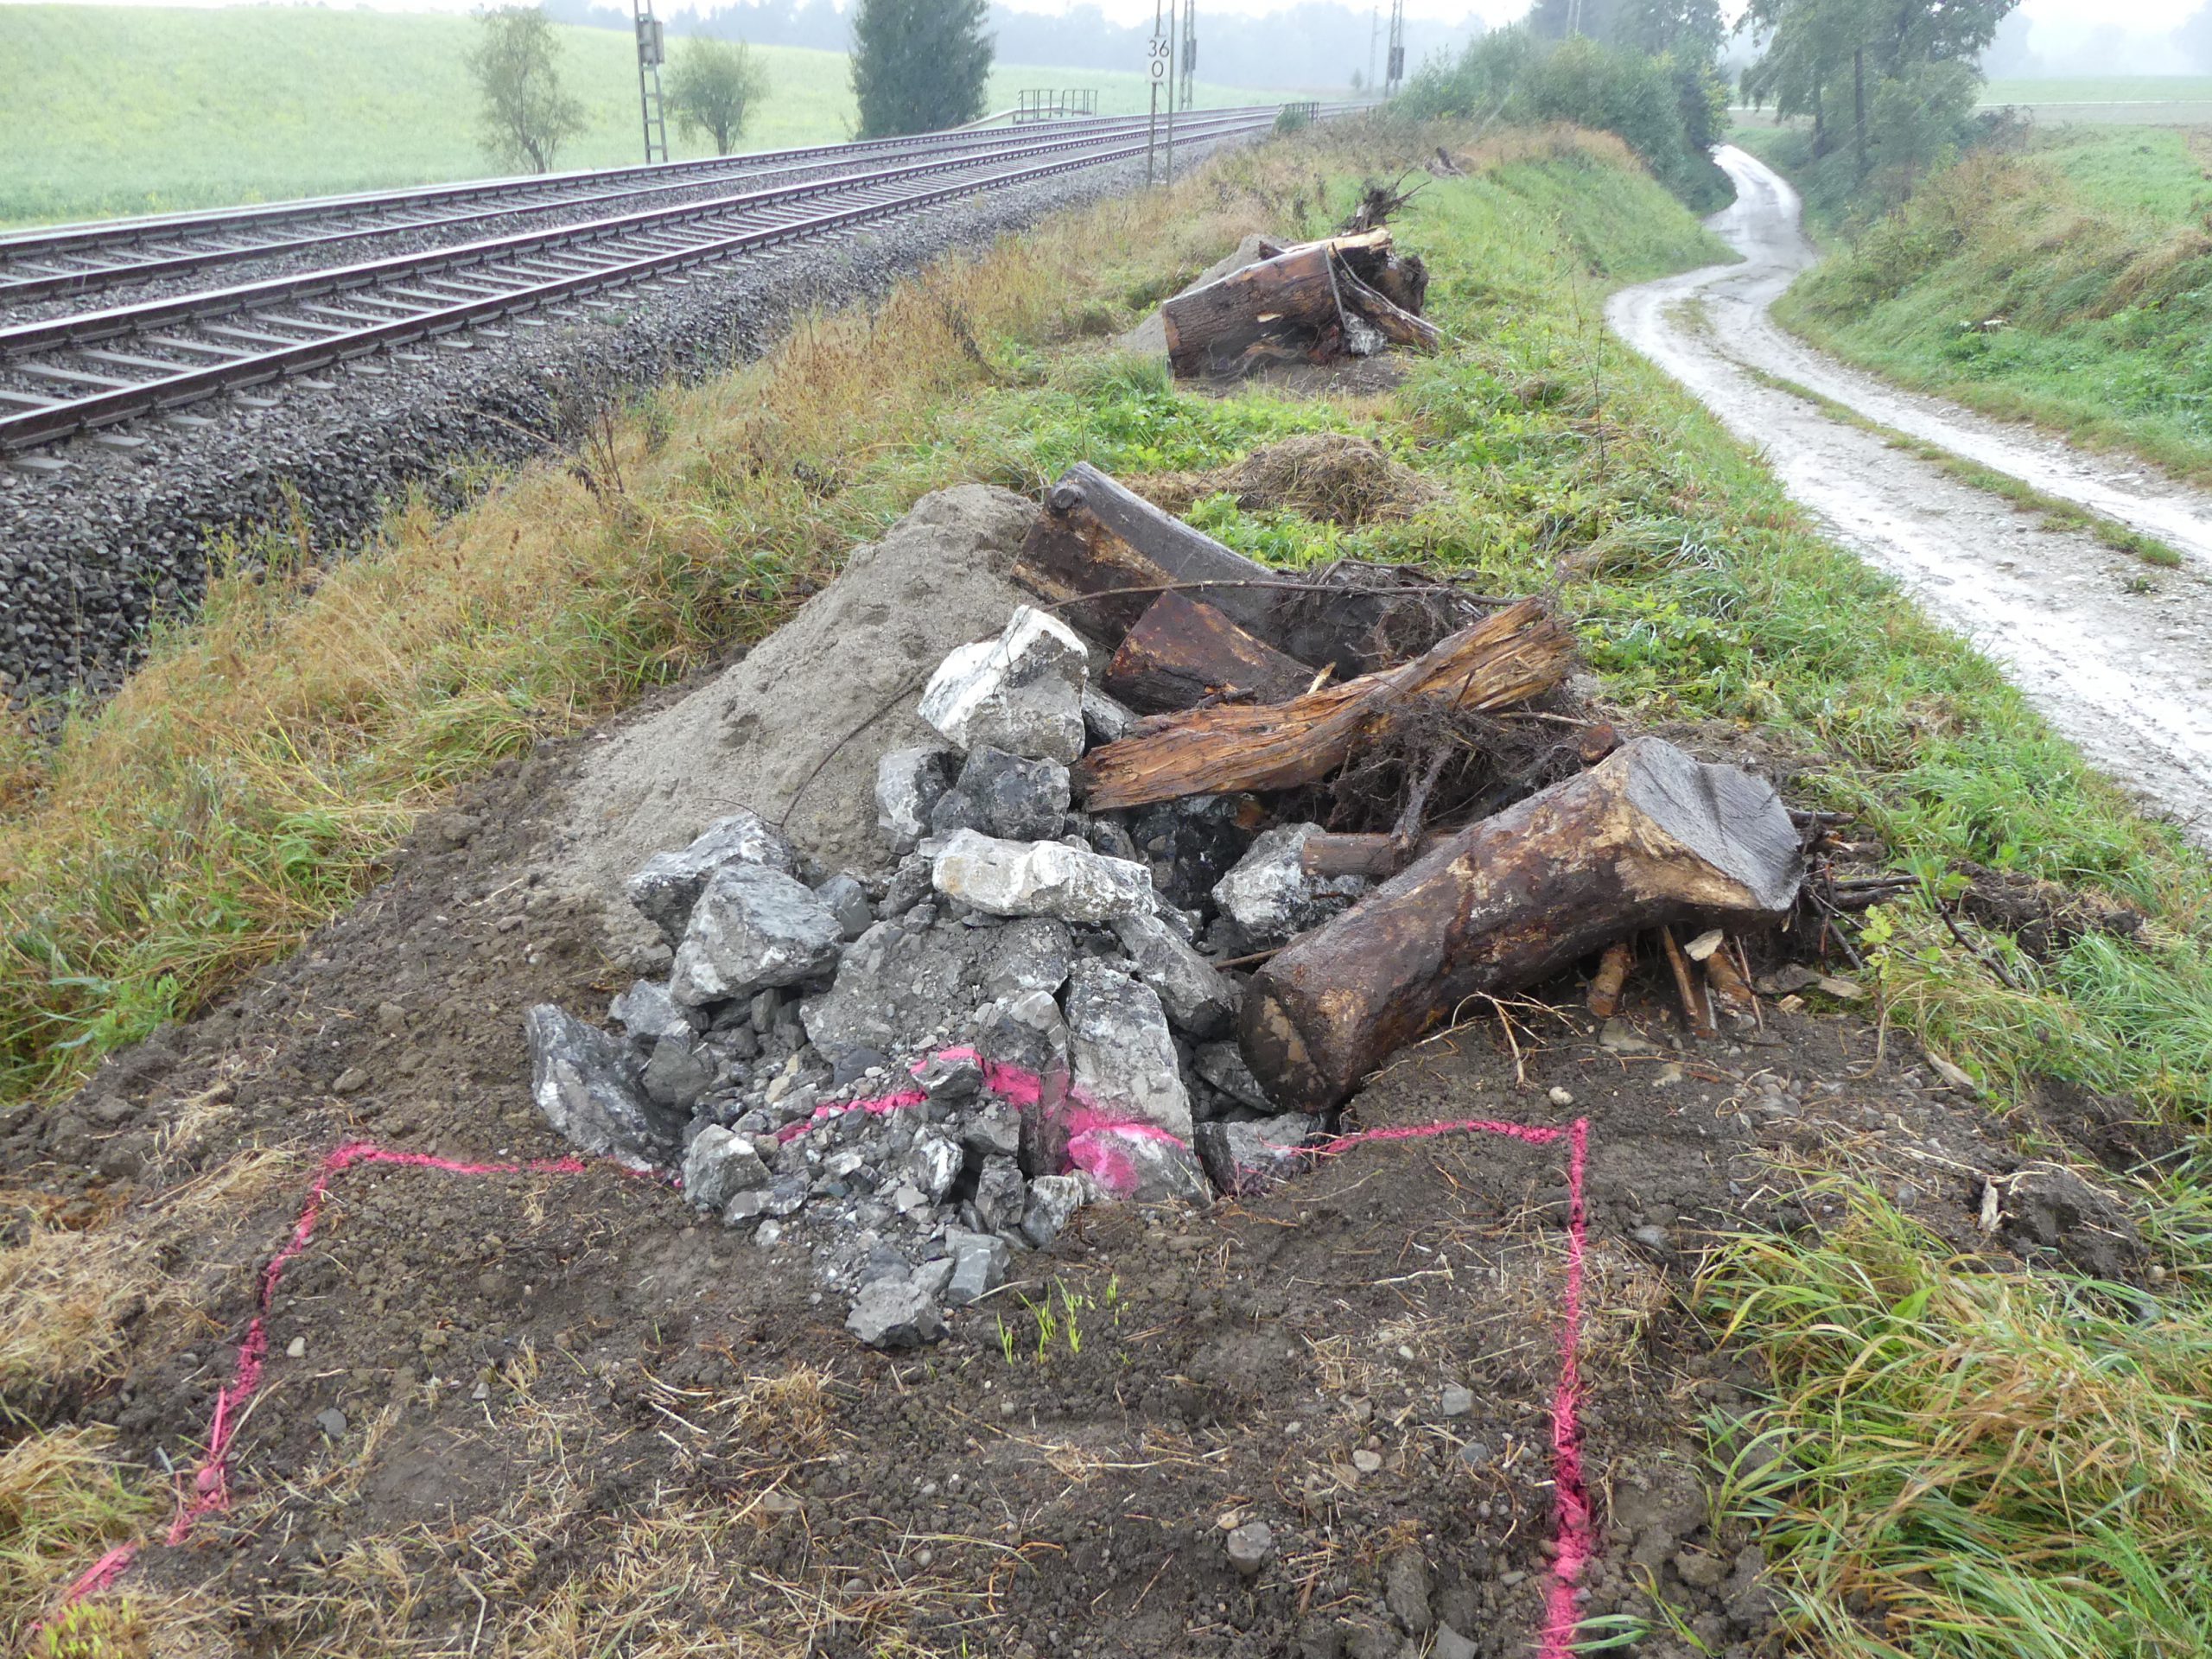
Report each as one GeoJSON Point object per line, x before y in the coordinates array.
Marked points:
{"type": "Point", "coordinates": [1649, 837]}
{"type": "Point", "coordinates": [1295, 292]}
{"type": "Point", "coordinates": [1182, 651]}
{"type": "Point", "coordinates": [1397, 325]}
{"type": "Point", "coordinates": [1376, 857]}
{"type": "Point", "coordinates": [1101, 555]}
{"type": "Point", "coordinates": [1607, 984]}
{"type": "Point", "coordinates": [1508, 658]}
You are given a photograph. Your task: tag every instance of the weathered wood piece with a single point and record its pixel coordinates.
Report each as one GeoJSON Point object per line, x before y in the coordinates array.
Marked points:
{"type": "Point", "coordinates": [1293, 294]}
{"type": "Point", "coordinates": [1101, 554]}
{"type": "Point", "coordinates": [1507, 658]}
{"type": "Point", "coordinates": [1314, 295]}
{"type": "Point", "coordinates": [1649, 837]}
{"type": "Point", "coordinates": [1182, 651]}
{"type": "Point", "coordinates": [1607, 984]}
{"type": "Point", "coordinates": [1377, 857]}
{"type": "Point", "coordinates": [1398, 326]}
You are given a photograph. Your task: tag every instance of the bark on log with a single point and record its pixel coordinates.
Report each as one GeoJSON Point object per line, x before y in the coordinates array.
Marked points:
{"type": "Point", "coordinates": [1508, 658]}
{"type": "Point", "coordinates": [1181, 650]}
{"type": "Point", "coordinates": [1649, 837]}
{"type": "Point", "coordinates": [1295, 292]}
{"type": "Point", "coordinates": [1096, 541]}
{"type": "Point", "coordinates": [1398, 326]}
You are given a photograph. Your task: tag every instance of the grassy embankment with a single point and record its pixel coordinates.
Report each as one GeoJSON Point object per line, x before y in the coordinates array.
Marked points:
{"type": "Point", "coordinates": [2091, 249]}
{"type": "Point", "coordinates": [112, 109]}
{"type": "Point", "coordinates": [1977, 1463]}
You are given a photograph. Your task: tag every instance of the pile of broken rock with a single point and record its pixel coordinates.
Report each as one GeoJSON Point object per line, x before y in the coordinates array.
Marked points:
{"type": "Point", "coordinates": [933, 1070]}
{"type": "Point", "coordinates": [1041, 1002]}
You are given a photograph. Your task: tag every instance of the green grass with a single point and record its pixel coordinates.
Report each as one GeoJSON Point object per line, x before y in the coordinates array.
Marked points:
{"type": "Point", "coordinates": [2099, 89]}
{"type": "Point", "coordinates": [1972, 1464]}
{"type": "Point", "coordinates": [114, 109]}
{"type": "Point", "coordinates": [2092, 251]}
{"type": "Point", "coordinates": [209, 819]}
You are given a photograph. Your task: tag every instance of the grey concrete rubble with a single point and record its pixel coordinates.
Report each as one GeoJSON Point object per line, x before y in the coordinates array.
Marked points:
{"type": "Point", "coordinates": [833, 1061]}
{"type": "Point", "coordinates": [1269, 896]}
{"type": "Point", "coordinates": [669, 884]}
{"type": "Point", "coordinates": [1021, 692]}
{"type": "Point", "coordinates": [1039, 878]}
{"type": "Point", "coordinates": [751, 928]}
{"type": "Point", "coordinates": [909, 783]}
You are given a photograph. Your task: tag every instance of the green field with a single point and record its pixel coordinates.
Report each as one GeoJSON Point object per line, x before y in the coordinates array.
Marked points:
{"type": "Point", "coordinates": [129, 110]}
{"type": "Point", "coordinates": [2091, 247]}
{"type": "Point", "coordinates": [2114, 101]}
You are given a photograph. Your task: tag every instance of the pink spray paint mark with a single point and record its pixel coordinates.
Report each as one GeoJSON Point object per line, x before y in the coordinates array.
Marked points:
{"type": "Point", "coordinates": [1574, 1538]}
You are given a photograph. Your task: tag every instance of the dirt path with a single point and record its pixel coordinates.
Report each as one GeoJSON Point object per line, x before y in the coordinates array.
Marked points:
{"type": "Point", "coordinates": [2117, 654]}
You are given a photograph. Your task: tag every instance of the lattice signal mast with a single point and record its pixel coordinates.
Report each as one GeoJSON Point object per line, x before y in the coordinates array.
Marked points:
{"type": "Point", "coordinates": [652, 52]}
{"type": "Point", "coordinates": [1395, 69]}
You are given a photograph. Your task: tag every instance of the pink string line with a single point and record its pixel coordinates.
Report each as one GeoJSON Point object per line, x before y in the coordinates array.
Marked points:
{"type": "Point", "coordinates": [209, 1488]}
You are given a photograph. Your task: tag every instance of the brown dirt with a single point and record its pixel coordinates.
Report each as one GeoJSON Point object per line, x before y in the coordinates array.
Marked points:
{"type": "Point", "coordinates": [563, 1399]}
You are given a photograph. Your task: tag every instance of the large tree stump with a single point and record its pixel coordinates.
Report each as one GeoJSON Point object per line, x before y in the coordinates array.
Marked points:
{"type": "Point", "coordinates": [1182, 651]}
{"type": "Point", "coordinates": [1650, 836]}
{"type": "Point", "coordinates": [1508, 658]}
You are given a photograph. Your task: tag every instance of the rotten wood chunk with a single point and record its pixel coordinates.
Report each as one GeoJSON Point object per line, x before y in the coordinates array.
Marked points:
{"type": "Point", "coordinates": [1183, 651]}
{"type": "Point", "coordinates": [1648, 838]}
{"type": "Point", "coordinates": [1607, 984]}
{"type": "Point", "coordinates": [1101, 555]}
{"type": "Point", "coordinates": [1347, 295]}
{"type": "Point", "coordinates": [1508, 658]}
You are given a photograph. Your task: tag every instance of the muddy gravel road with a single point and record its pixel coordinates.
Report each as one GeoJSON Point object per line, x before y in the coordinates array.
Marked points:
{"type": "Point", "coordinates": [2117, 653]}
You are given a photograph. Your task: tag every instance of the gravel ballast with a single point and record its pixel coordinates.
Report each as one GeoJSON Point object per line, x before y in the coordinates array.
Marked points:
{"type": "Point", "coordinates": [122, 529]}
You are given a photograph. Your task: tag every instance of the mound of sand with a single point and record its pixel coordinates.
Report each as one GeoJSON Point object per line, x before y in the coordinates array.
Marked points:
{"type": "Point", "coordinates": [848, 668]}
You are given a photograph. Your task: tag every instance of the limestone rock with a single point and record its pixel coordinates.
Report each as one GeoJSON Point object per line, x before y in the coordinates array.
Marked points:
{"type": "Point", "coordinates": [1042, 878]}
{"type": "Point", "coordinates": [1053, 1200]}
{"type": "Point", "coordinates": [909, 783]}
{"type": "Point", "coordinates": [719, 1165]}
{"type": "Point", "coordinates": [1269, 896]}
{"type": "Point", "coordinates": [668, 884]}
{"type": "Point", "coordinates": [1021, 692]}
{"type": "Point", "coordinates": [751, 928]}
{"type": "Point", "coordinates": [1122, 1052]}
{"type": "Point", "coordinates": [586, 1082]}
{"type": "Point", "coordinates": [1244, 1159]}
{"type": "Point", "coordinates": [1192, 989]}
{"type": "Point", "coordinates": [894, 1312]}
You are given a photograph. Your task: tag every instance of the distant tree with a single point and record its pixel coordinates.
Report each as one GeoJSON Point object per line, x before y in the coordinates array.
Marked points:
{"type": "Point", "coordinates": [713, 86]}
{"type": "Point", "coordinates": [2195, 39]}
{"type": "Point", "coordinates": [919, 65]}
{"type": "Point", "coordinates": [527, 114]}
{"type": "Point", "coordinates": [1690, 29]}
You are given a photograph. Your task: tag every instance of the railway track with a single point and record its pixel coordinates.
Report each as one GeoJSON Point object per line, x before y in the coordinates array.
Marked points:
{"type": "Point", "coordinates": [74, 260]}
{"type": "Point", "coordinates": [88, 370]}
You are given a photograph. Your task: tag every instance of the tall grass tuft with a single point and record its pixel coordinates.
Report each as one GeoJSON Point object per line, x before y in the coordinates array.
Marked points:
{"type": "Point", "coordinates": [1963, 1462]}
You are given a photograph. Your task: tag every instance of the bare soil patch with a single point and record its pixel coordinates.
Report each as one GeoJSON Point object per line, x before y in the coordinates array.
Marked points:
{"type": "Point", "coordinates": [498, 1402]}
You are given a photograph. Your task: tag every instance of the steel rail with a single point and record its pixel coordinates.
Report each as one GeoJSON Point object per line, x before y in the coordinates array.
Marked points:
{"type": "Point", "coordinates": [428, 307]}
{"type": "Point", "coordinates": [94, 278]}
{"type": "Point", "coordinates": [532, 193]}
{"type": "Point", "coordinates": [84, 326]}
